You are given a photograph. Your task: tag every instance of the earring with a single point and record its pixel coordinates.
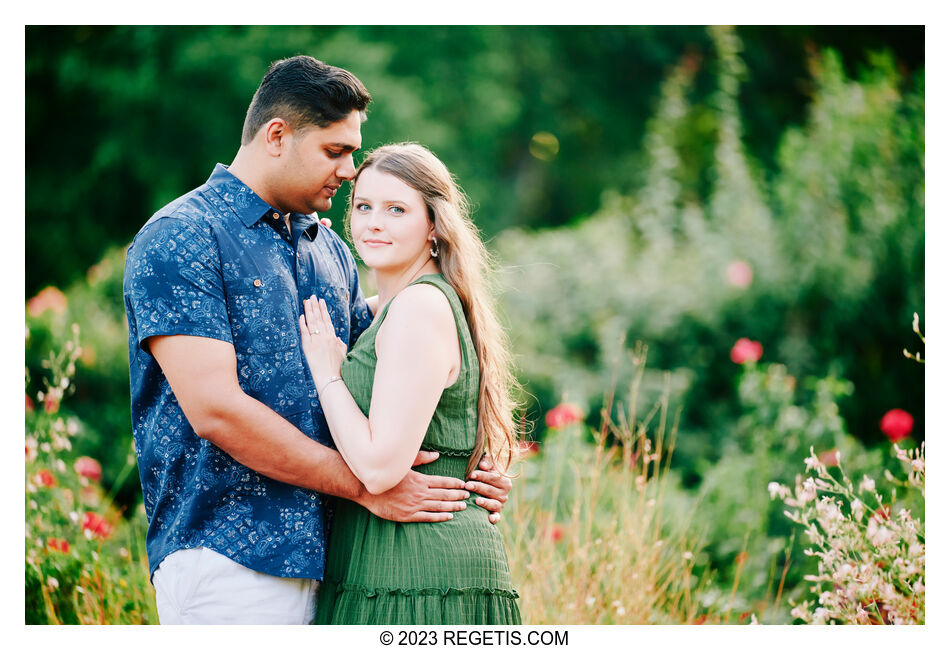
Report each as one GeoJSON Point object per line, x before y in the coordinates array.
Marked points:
{"type": "Point", "coordinates": [434, 250]}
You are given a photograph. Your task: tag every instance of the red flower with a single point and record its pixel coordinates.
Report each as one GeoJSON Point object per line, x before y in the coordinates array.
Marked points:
{"type": "Point", "coordinates": [96, 524]}
{"type": "Point", "coordinates": [44, 478]}
{"type": "Point", "coordinates": [897, 424]}
{"type": "Point", "coordinates": [562, 415]}
{"type": "Point", "coordinates": [745, 350]}
{"type": "Point", "coordinates": [88, 467]}
{"type": "Point", "coordinates": [555, 533]}
{"type": "Point", "coordinates": [700, 619]}
{"type": "Point", "coordinates": [528, 447]}
{"type": "Point", "coordinates": [50, 404]}
{"type": "Point", "coordinates": [30, 407]}
{"type": "Point", "coordinates": [55, 544]}
{"type": "Point", "coordinates": [48, 298]}
{"type": "Point", "coordinates": [829, 458]}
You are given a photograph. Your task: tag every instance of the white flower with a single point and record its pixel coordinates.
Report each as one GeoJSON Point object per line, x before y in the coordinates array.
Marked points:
{"type": "Point", "coordinates": [879, 533]}
{"type": "Point", "coordinates": [52, 582]}
{"type": "Point", "coordinates": [753, 620]}
{"type": "Point", "coordinates": [621, 611]}
{"type": "Point", "coordinates": [867, 484]}
{"type": "Point", "coordinates": [589, 601]}
{"type": "Point", "coordinates": [808, 492]}
{"type": "Point", "coordinates": [812, 462]}
{"type": "Point", "coordinates": [778, 490]}
{"type": "Point", "coordinates": [821, 615]}
{"type": "Point", "coordinates": [687, 555]}
{"type": "Point", "coordinates": [828, 511]}
{"type": "Point", "coordinates": [857, 508]}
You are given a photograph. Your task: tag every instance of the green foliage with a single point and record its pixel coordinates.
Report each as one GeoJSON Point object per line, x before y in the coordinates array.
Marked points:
{"type": "Point", "coordinates": [101, 405]}
{"type": "Point", "coordinates": [84, 562]}
{"type": "Point", "coordinates": [536, 121]}
{"type": "Point", "coordinates": [779, 424]}
{"type": "Point", "coordinates": [831, 245]}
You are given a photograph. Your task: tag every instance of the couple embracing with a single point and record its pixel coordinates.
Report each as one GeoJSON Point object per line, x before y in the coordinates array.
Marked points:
{"type": "Point", "coordinates": [307, 454]}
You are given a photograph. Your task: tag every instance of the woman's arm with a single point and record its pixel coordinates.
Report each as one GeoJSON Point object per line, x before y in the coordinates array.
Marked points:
{"type": "Point", "coordinates": [417, 352]}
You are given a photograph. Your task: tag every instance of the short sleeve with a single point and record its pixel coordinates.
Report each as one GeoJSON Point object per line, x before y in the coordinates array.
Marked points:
{"type": "Point", "coordinates": [173, 283]}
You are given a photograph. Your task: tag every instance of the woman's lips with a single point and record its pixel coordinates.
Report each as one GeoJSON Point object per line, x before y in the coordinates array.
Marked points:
{"type": "Point", "coordinates": [375, 243]}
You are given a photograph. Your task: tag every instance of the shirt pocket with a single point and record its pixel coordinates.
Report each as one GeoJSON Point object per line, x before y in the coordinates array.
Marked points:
{"type": "Point", "coordinates": [262, 314]}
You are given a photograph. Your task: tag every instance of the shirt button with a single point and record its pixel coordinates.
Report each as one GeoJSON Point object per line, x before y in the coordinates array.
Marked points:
{"type": "Point", "coordinates": [257, 283]}
{"type": "Point", "coordinates": [276, 215]}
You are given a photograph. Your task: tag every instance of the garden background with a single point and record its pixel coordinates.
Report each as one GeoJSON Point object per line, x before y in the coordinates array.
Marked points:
{"type": "Point", "coordinates": [711, 250]}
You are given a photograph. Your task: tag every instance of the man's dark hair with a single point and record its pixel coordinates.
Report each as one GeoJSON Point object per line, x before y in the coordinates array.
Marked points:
{"type": "Point", "coordinates": [306, 93]}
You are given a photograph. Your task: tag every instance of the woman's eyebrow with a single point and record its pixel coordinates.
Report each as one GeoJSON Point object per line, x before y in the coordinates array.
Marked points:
{"type": "Point", "coordinates": [389, 201]}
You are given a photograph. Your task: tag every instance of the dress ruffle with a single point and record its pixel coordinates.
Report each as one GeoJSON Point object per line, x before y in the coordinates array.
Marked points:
{"type": "Point", "coordinates": [358, 605]}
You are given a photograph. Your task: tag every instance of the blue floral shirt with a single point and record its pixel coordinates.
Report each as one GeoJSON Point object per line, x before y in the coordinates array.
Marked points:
{"type": "Point", "coordinates": [221, 263]}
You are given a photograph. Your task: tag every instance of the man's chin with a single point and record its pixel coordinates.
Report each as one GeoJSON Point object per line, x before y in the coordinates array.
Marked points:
{"type": "Point", "coordinates": [321, 205]}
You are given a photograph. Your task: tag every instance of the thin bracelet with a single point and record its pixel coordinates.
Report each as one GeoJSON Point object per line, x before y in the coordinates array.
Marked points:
{"type": "Point", "coordinates": [329, 381]}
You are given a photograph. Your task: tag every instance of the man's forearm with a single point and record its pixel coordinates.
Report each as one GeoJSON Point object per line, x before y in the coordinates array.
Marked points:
{"type": "Point", "coordinates": [257, 437]}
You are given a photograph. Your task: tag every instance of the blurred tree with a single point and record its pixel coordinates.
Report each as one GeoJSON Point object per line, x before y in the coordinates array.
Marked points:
{"type": "Point", "coordinates": [537, 122]}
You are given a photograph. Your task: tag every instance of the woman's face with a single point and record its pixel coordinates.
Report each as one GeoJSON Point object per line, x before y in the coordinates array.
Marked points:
{"type": "Point", "coordinates": [389, 222]}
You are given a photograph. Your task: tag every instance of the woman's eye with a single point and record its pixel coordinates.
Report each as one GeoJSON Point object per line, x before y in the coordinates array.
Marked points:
{"type": "Point", "coordinates": [362, 207]}
{"type": "Point", "coordinates": [397, 210]}
{"type": "Point", "coordinates": [334, 154]}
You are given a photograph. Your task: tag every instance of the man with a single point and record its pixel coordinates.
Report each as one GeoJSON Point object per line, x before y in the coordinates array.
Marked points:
{"type": "Point", "coordinates": [231, 442]}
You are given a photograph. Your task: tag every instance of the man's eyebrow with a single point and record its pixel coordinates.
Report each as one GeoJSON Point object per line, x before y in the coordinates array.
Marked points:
{"type": "Point", "coordinates": [345, 147]}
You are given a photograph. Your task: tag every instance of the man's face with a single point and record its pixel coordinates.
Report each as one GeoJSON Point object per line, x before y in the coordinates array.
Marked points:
{"type": "Point", "coordinates": [316, 163]}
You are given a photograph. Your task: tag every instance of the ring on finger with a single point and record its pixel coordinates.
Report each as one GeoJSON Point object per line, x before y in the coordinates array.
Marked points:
{"type": "Point", "coordinates": [314, 331]}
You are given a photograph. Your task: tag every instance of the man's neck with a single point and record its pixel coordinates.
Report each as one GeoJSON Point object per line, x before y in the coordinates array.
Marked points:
{"type": "Point", "coordinates": [247, 170]}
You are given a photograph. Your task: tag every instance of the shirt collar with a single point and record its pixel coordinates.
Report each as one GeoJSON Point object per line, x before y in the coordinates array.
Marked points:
{"type": "Point", "coordinates": [249, 207]}
{"type": "Point", "coordinates": [242, 200]}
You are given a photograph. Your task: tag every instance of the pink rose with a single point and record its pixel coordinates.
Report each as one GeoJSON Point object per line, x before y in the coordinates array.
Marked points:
{"type": "Point", "coordinates": [88, 467]}
{"type": "Point", "coordinates": [48, 298]}
{"type": "Point", "coordinates": [745, 351]}
{"type": "Point", "coordinates": [739, 274]}
{"type": "Point", "coordinates": [562, 415]}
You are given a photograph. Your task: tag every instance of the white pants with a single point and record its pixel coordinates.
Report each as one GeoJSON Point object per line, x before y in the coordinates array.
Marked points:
{"type": "Point", "coordinates": [198, 586]}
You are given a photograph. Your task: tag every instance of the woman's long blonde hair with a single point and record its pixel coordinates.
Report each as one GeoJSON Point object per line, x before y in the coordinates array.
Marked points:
{"type": "Point", "coordinates": [466, 264]}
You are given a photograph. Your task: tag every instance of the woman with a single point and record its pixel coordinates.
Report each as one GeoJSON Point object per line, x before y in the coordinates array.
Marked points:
{"type": "Point", "coordinates": [432, 372]}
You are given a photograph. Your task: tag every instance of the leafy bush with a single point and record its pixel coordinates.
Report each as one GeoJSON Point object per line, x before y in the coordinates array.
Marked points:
{"type": "Point", "coordinates": [84, 562]}
{"type": "Point", "coordinates": [101, 403]}
{"type": "Point", "coordinates": [870, 560]}
{"type": "Point", "coordinates": [817, 262]}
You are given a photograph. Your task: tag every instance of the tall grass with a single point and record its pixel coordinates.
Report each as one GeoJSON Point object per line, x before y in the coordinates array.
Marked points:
{"type": "Point", "coordinates": [589, 541]}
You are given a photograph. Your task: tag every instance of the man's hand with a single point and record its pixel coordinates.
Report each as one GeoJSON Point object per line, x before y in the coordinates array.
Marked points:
{"type": "Point", "coordinates": [493, 488]}
{"type": "Point", "coordinates": [418, 497]}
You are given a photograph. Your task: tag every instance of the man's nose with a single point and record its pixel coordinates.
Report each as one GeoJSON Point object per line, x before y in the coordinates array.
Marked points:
{"type": "Point", "coordinates": [346, 170]}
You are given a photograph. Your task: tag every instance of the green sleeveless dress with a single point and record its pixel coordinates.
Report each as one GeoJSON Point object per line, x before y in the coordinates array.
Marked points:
{"type": "Point", "coordinates": [453, 572]}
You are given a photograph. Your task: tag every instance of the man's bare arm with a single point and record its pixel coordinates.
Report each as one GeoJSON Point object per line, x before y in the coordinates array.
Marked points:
{"type": "Point", "coordinates": [202, 373]}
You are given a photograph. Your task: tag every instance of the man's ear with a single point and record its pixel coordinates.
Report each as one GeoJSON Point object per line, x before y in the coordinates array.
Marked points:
{"type": "Point", "coordinates": [276, 135]}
